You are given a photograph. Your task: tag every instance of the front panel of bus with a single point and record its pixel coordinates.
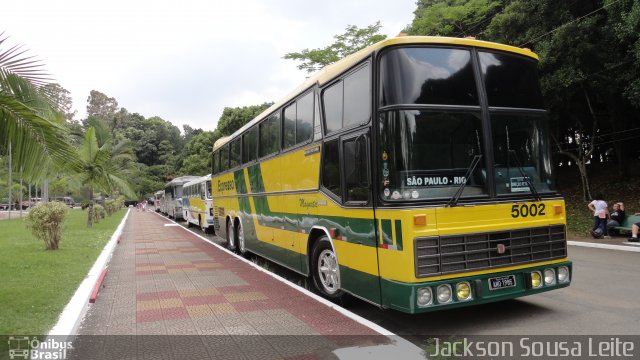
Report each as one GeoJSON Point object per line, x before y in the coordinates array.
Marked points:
{"type": "Point", "coordinates": [467, 208]}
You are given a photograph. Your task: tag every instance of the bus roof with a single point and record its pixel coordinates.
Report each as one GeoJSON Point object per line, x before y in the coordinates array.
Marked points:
{"type": "Point", "coordinates": [181, 180]}
{"type": "Point", "coordinates": [198, 180]}
{"type": "Point", "coordinates": [329, 72]}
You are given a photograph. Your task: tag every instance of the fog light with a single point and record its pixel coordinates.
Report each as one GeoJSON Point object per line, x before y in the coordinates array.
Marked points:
{"type": "Point", "coordinates": [424, 297]}
{"type": "Point", "coordinates": [444, 293]}
{"type": "Point", "coordinates": [536, 279]}
{"type": "Point", "coordinates": [563, 274]}
{"type": "Point", "coordinates": [549, 277]}
{"type": "Point", "coordinates": [463, 291]}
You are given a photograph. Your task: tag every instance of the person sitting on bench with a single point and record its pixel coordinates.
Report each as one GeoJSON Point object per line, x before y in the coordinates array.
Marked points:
{"type": "Point", "coordinates": [616, 217]}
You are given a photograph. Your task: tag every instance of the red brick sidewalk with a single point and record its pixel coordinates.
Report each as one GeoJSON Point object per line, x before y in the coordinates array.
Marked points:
{"type": "Point", "coordinates": [164, 280]}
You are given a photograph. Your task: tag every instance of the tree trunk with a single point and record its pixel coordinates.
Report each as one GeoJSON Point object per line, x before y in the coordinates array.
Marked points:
{"type": "Point", "coordinates": [90, 209]}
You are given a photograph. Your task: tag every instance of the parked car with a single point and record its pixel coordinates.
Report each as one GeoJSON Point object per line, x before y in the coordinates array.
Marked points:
{"type": "Point", "coordinates": [66, 200]}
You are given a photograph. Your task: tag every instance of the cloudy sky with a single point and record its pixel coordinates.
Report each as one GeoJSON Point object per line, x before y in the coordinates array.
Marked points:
{"type": "Point", "coordinates": [185, 60]}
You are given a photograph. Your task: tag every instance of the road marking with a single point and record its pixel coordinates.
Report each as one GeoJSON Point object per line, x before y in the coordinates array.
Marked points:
{"type": "Point", "coordinates": [607, 246]}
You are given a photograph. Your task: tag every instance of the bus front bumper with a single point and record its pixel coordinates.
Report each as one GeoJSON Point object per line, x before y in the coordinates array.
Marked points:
{"type": "Point", "coordinates": [473, 290]}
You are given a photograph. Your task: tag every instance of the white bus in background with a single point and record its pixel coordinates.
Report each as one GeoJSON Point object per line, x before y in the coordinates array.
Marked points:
{"type": "Point", "coordinates": [173, 196]}
{"type": "Point", "coordinates": [158, 196]}
{"type": "Point", "coordinates": [197, 203]}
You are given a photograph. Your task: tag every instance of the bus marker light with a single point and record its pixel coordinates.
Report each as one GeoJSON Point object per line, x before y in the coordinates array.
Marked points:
{"type": "Point", "coordinates": [420, 220]}
{"type": "Point", "coordinates": [557, 209]}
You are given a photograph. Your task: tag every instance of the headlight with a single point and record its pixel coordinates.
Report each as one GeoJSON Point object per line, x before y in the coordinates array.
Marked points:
{"type": "Point", "coordinates": [424, 297]}
{"type": "Point", "coordinates": [463, 291]}
{"type": "Point", "coordinates": [563, 274]}
{"type": "Point", "coordinates": [536, 279]}
{"type": "Point", "coordinates": [444, 293]}
{"type": "Point", "coordinates": [549, 277]}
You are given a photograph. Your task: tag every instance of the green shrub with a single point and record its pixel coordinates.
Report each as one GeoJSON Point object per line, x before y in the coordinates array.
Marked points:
{"type": "Point", "coordinates": [110, 206]}
{"type": "Point", "coordinates": [98, 213]}
{"type": "Point", "coordinates": [45, 221]}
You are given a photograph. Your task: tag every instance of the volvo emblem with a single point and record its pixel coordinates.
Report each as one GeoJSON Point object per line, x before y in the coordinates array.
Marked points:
{"type": "Point", "coordinates": [500, 249]}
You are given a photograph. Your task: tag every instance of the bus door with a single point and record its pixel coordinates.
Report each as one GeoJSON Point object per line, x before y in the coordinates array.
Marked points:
{"type": "Point", "coordinates": [358, 257]}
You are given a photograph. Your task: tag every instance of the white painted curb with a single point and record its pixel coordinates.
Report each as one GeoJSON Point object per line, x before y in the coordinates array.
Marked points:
{"type": "Point", "coordinates": [76, 308]}
{"type": "Point", "coordinates": [606, 246]}
{"type": "Point", "coordinates": [398, 341]}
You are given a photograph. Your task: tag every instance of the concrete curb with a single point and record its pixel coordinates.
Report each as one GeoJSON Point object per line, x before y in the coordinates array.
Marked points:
{"type": "Point", "coordinates": [633, 248]}
{"type": "Point", "coordinates": [76, 308]}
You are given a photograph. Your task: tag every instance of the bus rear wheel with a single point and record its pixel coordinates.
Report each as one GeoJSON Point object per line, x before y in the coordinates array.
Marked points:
{"type": "Point", "coordinates": [231, 236]}
{"type": "Point", "coordinates": [240, 233]}
{"type": "Point", "coordinates": [325, 270]}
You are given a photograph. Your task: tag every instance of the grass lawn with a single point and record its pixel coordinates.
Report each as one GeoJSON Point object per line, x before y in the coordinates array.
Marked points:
{"type": "Point", "coordinates": [36, 284]}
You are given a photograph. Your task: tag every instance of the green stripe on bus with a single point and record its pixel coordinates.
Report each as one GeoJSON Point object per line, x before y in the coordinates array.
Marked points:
{"type": "Point", "coordinates": [399, 234]}
{"type": "Point", "coordinates": [386, 232]}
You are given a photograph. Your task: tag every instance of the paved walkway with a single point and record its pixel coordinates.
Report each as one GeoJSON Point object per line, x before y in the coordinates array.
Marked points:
{"type": "Point", "coordinates": [164, 280]}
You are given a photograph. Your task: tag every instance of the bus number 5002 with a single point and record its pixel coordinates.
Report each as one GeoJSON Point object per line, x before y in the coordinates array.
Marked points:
{"type": "Point", "coordinates": [527, 210]}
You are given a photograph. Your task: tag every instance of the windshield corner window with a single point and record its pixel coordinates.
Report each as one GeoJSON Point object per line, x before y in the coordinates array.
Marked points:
{"type": "Point", "coordinates": [425, 155]}
{"type": "Point", "coordinates": [511, 80]}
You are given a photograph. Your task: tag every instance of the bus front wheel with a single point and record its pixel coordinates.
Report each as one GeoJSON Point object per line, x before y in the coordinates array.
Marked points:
{"type": "Point", "coordinates": [325, 269]}
{"type": "Point", "coordinates": [231, 236]}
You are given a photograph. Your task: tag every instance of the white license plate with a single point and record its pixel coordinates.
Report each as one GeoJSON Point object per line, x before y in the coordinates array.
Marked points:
{"type": "Point", "coordinates": [502, 282]}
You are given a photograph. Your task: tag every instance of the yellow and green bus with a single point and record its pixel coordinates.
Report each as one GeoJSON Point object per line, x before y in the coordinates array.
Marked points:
{"type": "Point", "coordinates": [197, 204]}
{"type": "Point", "coordinates": [415, 174]}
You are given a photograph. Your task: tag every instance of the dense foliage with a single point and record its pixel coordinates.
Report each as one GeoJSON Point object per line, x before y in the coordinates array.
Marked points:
{"type": "Point", "coordinates": [45, 221]}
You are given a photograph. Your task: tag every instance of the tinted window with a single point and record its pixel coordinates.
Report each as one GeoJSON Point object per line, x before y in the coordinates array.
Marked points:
{"type": "Point", "coordinates": [331, 167]}
{"type": "Point", "coordinates": [304, 118]}
{"type": "Point", "coordinates": [332, 101]}
{"type": "Point", "coordinates": [356, 169]}
{"type": "Point", "coordinates": [357, 97]}
{"type": "Point", "coordinates": [216, 162]}
{"type": "Point", "coordinates": [427, 76]}
{"type": "Point", "coordinates": [224, 158]}
{"type": "Point", "coordinates": [249, 144]}
{"type": "Point", "coordinates": [270, 135]}
{"type": "Point", "coordinates": [235, 153]}
{"type": "Point", "coordinates": [290, 126]}
{"type": "Point", "coordinates": [511, 80]}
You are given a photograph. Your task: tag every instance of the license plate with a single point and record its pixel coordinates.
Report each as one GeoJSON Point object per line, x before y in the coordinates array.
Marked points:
{"type": "Point", "coordinates": [502, 282]}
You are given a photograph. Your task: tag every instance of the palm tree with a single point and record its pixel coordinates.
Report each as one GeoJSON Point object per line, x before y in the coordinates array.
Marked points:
{"type": "Point", "coordinates": [29, 120]}
{"type": "Point", "coordinates": [103, 167]}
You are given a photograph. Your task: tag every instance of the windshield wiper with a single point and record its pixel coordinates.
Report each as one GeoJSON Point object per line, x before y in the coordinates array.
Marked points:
{"type": "Point", "coordinates": [532, 188]}
{"type": "Point", "coordinates": [474, 163]}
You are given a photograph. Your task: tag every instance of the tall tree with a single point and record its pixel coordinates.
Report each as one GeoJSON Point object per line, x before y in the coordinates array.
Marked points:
{"type": "Point", "coordinates": [453, 17]}
{"type": "Point", "coordinates": [101, 106]}
{"type": "Point", "coordinates": [352, 40]}
{"type": "Point", "coordinates": [61, 99]}
{"type": "Point", "coordinates": [233, 119]}
{"type": "Point", "coordinates": [100, 169]}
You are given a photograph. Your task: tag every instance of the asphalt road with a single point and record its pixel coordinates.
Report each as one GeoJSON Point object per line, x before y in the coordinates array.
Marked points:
{"type": "Point", "coordinates": [603, 299]}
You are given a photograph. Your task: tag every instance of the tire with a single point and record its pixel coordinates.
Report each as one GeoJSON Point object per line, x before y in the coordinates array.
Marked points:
{"type": "Point", "coordinates": [202, 227]}
{"type": "Point", "coordinates": [325, 270]}
{"type": "Point", "coordinates": [240, 239]}
{"type": "Point", "coordinates": [231, 236]}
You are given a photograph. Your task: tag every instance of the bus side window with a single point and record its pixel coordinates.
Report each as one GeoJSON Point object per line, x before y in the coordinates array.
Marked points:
{"type": "Point", "coordinates": [331, 167]}
{"type": "Point", "coordinates": [356, 169]}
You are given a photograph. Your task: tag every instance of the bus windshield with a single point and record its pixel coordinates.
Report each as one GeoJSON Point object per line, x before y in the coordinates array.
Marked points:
{"type": "Point", "coordinates": [432, 125]}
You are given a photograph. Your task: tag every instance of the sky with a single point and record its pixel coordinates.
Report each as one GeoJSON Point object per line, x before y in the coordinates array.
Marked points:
{"type": "Point", "coordinates": [185, 61]}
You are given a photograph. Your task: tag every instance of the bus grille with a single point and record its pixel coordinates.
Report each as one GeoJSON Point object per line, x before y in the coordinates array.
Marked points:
{"type": "Point", "coordinates": [456, 253]}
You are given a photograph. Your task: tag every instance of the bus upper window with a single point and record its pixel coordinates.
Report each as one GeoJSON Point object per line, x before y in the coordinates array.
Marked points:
{"type": "Point", "coordinates": [269, 135]}
{"type": "Point", "coordinates": [234, 157]}
{"type": "Point", "coordinates": [511, 80]}
{"type": "Point", "coordinates": [304, 118]}
{"type": "Point", "coordinates": [331, 167]}
{"type": "Point", "coordinates": [249, 144]}
{"type": "Point", "coordinates": [357, 97]}
{"type": "Point", "coordinates": [224, 158]}
{"type": "Point", "coordinates": [216, 162]}
{"type": "Point", "coordinates": [290, 126]}
{"type": "Point", "coordinates": [332, 102]}
{"type": "Point", "coordinates": [427, 76]}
